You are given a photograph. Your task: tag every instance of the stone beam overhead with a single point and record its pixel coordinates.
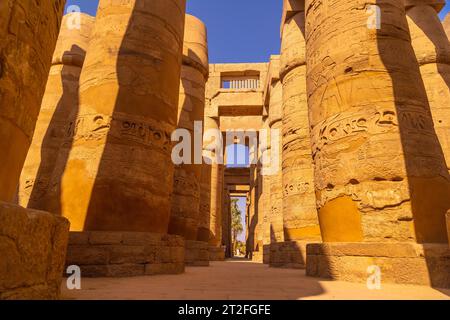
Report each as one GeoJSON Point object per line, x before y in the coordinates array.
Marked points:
{"type": "Point", "coordinates": [235, 89]}
{"type": "Point", "coordinates": [438, 5]}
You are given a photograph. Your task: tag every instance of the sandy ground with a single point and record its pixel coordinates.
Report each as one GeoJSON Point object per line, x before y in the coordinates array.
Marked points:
{"type": "Point", "coordinates": [238, 280]}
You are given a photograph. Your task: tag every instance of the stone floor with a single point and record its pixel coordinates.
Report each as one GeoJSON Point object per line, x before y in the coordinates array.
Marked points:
{"type": "Point", "coordinates": [240, 280]}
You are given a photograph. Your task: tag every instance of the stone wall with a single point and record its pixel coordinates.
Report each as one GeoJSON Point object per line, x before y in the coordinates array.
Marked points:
{"type": "Point", "coordinates": [32, 250]}
{"type": "Point", "coordinates": [125, 254]}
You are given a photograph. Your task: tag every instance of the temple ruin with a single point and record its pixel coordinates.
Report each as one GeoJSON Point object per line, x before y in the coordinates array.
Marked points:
{"type": "Point", "coordinates": [347, 132]}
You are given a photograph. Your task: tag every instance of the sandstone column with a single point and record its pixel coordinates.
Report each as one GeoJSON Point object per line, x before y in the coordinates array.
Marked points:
{"type": "Point", "coordinates": [33, 243]}
{"type": "Point", "coordinates": [211, 192]}
{"type": "Point", "coordinates": [119, 174]}
{"type": "Point", "coordinates": [380, 174]}
{"type": "Point", "coordinates": [432, 49]}
{"type": "Point", "coordinates": [446, 25]}
{"type": "Point", "coordinates": [215, 223]}
{"type": "Point", "coordinates": [59, 107]}
{"type": "Point", "coordinates": [194, 73]}
{"type": "Point", "coordinates": [299, 201]}
{"type": "Point", "coordinates": [28, 32]}
{"type": "Point", "coordinates": [276, 183]}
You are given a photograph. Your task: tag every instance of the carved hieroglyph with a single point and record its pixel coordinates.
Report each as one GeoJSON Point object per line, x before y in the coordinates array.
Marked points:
{"type": "Point", "coordinates": [432, 48]}
{"type": "Point", "coordinates": [299, 200]}
{"type": "Point", "coordinates": [186, 183]}
{"type": "Point", "coordinates": [58, 109]}
{"type": "Point", "coordinates": [119, 174]}
{"type": "Point", "coordinates": [380, 173]}
{"type": "Point", "coordinates": [28, 34]}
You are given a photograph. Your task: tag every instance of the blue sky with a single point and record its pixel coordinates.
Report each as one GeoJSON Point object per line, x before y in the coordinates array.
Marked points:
{"type": "Point", "coordinates": [239, 30]}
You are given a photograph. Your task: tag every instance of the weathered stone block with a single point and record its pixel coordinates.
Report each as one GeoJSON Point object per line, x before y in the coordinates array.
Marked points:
{"type": "Point", "coordinates": [135, 254]}
{"type": "Point", "coordinates": [141, 238]}
{"type": "Point", "coordinates": [32, 249]}
{"type": "Point", "coordinates": [128, 254]}
{"type": "Point", "coordinates": [87, 255]}
{"type": "Point", "coordinates": [99, 238]}
{"type": "Point", "coordinates": [402, 263]}
{"type": "Point", "coordinates": [79, 238]}
{"type": "Point", "coordinates": [126, 270]}
{"type": "Point", "coordinates": [177, 254]}
{"type": "Point", "coordinates": [153, 268]}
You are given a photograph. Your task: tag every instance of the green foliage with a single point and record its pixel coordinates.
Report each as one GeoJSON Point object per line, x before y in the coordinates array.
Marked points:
{"type": "Point", "coordinates": [236, 222]}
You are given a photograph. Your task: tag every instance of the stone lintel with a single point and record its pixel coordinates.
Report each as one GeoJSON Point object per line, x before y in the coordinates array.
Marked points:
{"type": "Point", "coordinates": [400, 263]}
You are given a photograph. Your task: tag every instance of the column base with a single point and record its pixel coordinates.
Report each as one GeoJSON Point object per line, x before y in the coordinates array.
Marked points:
{"type": "Point", "coordinates": [197, 254]}
{"type": "Point", "coordinates": [266, 254]}
{"type": "Point", "coordinates": [448, 226]}
{"type": "Point", "coordinates": [125, 254]}
{"type": "Point", "coordinates": [288, 254]}
{"type": "Point", "coordinates": [216, 253]}
{"type": "Point", "coordinates": [32, 250]}
{"type": "Point", "coordinates": [400, 263]}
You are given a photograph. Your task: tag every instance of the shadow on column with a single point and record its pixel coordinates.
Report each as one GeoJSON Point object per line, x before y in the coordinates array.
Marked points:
{"type": "Point", "coordinates": [134, 180]}
{"type": "Point", "coordinates": [428, 178]}
{"type": "Point", "coordinates": [57, 142]}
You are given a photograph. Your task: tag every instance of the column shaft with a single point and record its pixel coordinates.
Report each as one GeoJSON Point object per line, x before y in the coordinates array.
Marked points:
{"type": "Point", "coordinates": [380, 173]}
{"type": "Point", "coordinates": [119, 174]}
{"type": "Point", "coordinates": [28, 34]}
{"type": "Point", "coordinates": [41, 174]}
{"type": "Point", "coordinates": [299, 201]}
